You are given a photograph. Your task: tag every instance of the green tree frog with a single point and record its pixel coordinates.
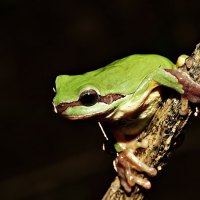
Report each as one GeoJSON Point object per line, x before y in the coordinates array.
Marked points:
{"type": "Point", "coordinates": [123, 96]}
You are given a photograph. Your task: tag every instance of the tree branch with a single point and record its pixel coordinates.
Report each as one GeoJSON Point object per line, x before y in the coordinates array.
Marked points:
{"type": "Point", "coordinates": [162, 133]}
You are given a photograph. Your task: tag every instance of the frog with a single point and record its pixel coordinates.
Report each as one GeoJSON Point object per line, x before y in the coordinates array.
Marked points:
{"type": "Point", "coordinates": [123, 96]}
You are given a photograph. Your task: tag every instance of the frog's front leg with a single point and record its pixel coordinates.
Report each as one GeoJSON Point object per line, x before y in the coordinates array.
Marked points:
{"type": "Point", "coordinates": [128, 165]}
{"type": "Point", "coordinates": [190, 87]}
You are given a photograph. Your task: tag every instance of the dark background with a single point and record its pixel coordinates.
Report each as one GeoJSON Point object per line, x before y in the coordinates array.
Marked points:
{"type": "Point", "coordinates": [45, 157]}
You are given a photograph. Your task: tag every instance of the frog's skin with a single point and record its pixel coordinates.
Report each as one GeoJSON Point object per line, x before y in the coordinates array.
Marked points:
{"type": "Point", "coordinates": [124, 95]}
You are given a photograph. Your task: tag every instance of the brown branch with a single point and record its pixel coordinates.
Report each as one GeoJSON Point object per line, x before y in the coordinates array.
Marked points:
{"type": "Point", "coordinates": [162, 133]}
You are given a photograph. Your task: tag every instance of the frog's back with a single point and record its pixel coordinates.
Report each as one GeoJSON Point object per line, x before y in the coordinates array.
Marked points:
{"type": "Point", "coordinates": [141, 63]}
{"type": "Point", "coordinates": [125, 75]}
{"type": "Point", "coordinates": [122, 76]}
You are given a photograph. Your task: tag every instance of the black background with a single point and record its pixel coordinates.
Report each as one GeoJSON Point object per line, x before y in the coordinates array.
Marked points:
{"type": "Point", "coordinates": [46, 157]}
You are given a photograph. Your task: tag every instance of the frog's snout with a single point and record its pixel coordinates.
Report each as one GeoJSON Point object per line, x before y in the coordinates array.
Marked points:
{"type": "Point", "coordinates": [59, 109]}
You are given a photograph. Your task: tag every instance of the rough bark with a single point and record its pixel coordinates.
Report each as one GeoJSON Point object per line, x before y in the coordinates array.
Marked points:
{"type": "Point", "coordinates": [162, 133]}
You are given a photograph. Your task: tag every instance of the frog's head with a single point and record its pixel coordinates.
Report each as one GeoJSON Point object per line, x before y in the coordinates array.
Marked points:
{"type": "Point", "coordinates": [78, 98]}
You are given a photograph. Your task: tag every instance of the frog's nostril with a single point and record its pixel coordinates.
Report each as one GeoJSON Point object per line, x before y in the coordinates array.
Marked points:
{"type": "Point", "coordinates": [60, 108]}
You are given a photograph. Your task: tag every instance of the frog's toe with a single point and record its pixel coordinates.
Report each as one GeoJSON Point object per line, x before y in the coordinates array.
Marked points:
{"type": "Point", "coordinates": [127, 166]}
{"type": "Point", "coordinates": [122, 174]}
{"type": "Point", "coordinates": [137, 164]}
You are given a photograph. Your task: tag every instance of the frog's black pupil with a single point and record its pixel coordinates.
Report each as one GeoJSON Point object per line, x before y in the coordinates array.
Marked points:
{"type": "Point", "coordinates": [88, 99]}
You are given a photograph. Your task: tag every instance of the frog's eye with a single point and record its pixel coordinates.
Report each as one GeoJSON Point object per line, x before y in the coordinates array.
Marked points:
{"type": "Point", "coordinates": [88, 97]}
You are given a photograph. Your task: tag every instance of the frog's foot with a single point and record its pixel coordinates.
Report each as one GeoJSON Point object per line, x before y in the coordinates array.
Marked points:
{"type": "Point", "coordinates": [184, 106]}
{"type": "Point", "coordinates": [127, 165]}
{"type": "Point", "coordinates": [181, 60]}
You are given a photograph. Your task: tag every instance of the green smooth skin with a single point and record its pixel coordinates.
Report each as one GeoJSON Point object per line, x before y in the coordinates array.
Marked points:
{"type": "Point", "coordinates": [131, 76]}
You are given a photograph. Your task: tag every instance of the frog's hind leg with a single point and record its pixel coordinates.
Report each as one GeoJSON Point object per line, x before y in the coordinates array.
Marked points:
{"type": "Point", "coordinates": [128, 165]}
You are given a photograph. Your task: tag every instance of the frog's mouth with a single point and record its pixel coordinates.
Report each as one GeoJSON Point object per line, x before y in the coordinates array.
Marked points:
{"type": "Point", "coordinates": [87, 102]}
